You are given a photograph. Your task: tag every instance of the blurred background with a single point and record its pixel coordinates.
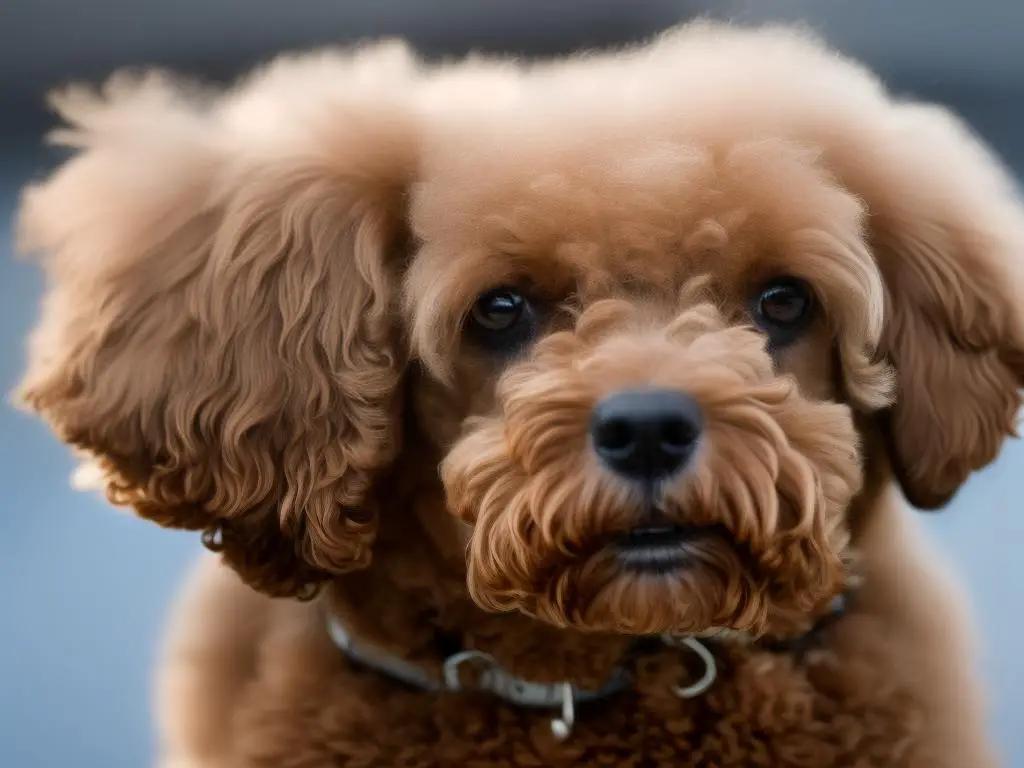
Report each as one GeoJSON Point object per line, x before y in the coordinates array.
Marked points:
{"type": "Point", "coordinates": [84, 589]}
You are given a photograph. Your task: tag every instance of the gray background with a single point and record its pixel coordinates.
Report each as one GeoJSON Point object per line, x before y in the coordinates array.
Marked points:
{"type": "Point", "coordinates": [84, 588]}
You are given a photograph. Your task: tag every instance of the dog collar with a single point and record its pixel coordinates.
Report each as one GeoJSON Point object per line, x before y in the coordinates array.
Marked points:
{"type": "Point", "coordinates": [563, 696]}
{"type": "Point", "coordinates": [492, 679]}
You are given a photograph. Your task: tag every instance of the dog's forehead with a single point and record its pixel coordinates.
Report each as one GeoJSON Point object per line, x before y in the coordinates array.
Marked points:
{"type": "Point", "coordinates": [627, 206]}
{"type": "Point", "coordinates": [643, 167]}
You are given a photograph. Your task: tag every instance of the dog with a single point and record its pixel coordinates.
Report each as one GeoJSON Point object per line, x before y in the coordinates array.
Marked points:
{"type": "Point", "coordinates": [558, 413]}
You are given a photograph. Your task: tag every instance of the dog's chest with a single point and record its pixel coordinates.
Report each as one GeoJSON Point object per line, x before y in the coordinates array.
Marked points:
{"type": "Point", "coordinates": [766, 710]}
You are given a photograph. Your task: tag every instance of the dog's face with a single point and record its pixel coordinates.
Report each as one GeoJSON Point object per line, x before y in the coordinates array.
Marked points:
{"type": "Point", "coordinates": [650, 308]}
{"type": "Point", "coordinates": [645, 374]}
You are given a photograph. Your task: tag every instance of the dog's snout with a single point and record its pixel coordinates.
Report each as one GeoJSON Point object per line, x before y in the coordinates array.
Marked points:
{"type": "Point", "coordinates": [646, 435]}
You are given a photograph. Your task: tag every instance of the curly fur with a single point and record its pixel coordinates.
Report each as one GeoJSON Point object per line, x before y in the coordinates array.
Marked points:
{"type": "Point", "coordinates": [776, 471]}
{"type": "Point", "coordinates": [255, 327]}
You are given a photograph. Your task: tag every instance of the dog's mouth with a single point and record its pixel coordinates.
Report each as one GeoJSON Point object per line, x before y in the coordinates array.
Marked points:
{"type": "Point", "coordinates": [659, 548]}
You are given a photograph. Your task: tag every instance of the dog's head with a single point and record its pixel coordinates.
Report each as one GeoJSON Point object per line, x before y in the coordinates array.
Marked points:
{"type": "Point", "coordinates": [650, 308]}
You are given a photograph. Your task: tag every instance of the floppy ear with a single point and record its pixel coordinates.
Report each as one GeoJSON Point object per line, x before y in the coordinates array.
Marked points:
{"type": "Point", "coordinates": [947, 231]}
{"type": "Point", "coordinates": [216, 331]}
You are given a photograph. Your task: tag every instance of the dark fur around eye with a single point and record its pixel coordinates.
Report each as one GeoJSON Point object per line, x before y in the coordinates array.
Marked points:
{"type": "Point", "coordinates": [503, 320]}
{"type": "Point", "coordinates": [783, 308]}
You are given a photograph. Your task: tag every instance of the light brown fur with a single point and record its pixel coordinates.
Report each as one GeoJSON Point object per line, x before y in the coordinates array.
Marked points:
{"type": "Point", "coordinates": [255, 326]}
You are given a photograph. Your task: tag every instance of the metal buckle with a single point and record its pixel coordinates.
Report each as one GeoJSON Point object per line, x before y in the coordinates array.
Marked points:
{"type": "Point", "coordinates": [495, 680]}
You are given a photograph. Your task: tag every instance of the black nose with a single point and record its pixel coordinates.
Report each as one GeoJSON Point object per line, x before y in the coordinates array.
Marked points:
{"type": "Point", "coordinates": [646, 434]}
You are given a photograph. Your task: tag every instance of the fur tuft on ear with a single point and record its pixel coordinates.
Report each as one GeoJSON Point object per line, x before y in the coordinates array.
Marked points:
{"type": "Point", "coordinates": [216, 332]}
{"type": "Point", "coordinates": [947, 230]}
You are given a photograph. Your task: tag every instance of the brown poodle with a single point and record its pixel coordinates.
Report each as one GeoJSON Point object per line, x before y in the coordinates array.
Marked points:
{"type": "Point", "coordinates": [572, 400]}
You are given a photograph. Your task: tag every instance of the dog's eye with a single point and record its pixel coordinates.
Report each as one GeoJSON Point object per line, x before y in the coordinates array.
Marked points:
{"type": "Point", "coordinates": [502, 319]}
{"type": "Point", "coordinates": [498, 310]}
{"type": "Point", "coordinates": [783, 308]}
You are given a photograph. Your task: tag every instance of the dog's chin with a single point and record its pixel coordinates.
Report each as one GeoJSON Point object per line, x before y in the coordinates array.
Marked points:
{"type": "Point", "coordinates": [665, 579]}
